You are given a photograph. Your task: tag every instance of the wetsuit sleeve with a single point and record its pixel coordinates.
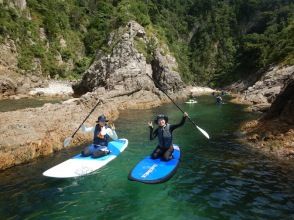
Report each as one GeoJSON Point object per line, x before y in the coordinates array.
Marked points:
{"type": "Point", "coordinates": [153, 134]}
{"type": "Point", "coordinates": [111, 133]}
{"type": "Point", "coordinates": [173, 127]}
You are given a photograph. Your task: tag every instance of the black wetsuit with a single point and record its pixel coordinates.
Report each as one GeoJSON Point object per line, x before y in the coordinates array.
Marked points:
{"type": "Point", "coordinates": [219, 100]}
{"type": "Point", "coordinates": [165, 138]}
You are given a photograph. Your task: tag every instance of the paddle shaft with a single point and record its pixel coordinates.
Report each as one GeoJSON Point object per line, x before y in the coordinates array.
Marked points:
{"type": "Point", "coordinates": [86, 118]}
{"type": "Point", "coordinates": [171, 99]}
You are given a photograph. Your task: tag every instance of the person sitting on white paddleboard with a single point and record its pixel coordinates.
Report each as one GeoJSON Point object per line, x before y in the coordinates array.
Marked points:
{"type": "Point", "coordinates": [164, 131]}
{"type": "Point", "coordinates": [102, 133]}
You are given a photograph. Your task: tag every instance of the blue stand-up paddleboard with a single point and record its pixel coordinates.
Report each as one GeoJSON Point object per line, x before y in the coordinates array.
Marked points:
{"type": "Point", "coordinates": [153, 171]}
{"type": "Point", "coordinates": [79, 166]}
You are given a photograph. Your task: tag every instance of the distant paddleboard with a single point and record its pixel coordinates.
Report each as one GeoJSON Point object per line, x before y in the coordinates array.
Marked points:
{"type": "Point", "coordinates": [79, 166]}
{"type": "Point", "coordinates": [191, 101]}
{"type": "Point", "coordinates": [152, 171]}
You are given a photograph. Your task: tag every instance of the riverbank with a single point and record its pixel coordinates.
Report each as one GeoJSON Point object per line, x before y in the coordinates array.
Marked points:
{"type": "Point", "coordinates": [273, 138]}
{"type": "Point", "coordinates": [55, 88]}
{"type": "Point", "coordinates": [199, 90]}
{"type": "Point", "coordinates": [30, 133]}
{"type": "Point", "coordinates": [52, 88]}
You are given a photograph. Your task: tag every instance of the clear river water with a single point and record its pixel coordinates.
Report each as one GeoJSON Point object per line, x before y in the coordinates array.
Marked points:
{"type": "Point", "coordinates": [217, 178]}
{"type": "Point", "coordinates": [12, 105]}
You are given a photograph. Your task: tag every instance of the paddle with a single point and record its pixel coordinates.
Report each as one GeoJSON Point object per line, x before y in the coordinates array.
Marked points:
{"type": "Point", "coordinates": [200, 129]}
{"type": "Point", "coordinates": [68, 139]}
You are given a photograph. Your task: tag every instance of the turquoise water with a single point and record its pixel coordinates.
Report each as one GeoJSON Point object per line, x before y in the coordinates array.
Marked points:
{"type": "Point", "coordinates": [12, 105]}
{"type": "Point", "coordinates": [217, 179]}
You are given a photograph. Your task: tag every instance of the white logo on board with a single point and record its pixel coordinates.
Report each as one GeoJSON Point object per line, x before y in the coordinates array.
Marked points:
{"type": "Point", "coordinates": [150, 170]}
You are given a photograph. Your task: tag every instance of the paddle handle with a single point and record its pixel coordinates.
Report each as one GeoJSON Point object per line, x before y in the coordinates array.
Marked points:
{"type": "Point", "coordinates": [159, 87]}
{"type": "Point", "coordinates": [99, 101]}
{"type": "Point", "coordinates": [169, 98]}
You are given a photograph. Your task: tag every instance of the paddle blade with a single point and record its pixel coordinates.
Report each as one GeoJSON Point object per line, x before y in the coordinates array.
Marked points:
{"type": "Point", "coordinates": [67, 141]}
{"type": "Point", "coordinates": [203, 132]}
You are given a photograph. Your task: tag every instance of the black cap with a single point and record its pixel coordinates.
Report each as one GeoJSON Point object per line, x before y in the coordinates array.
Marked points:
{"type": "Point", "coordinates": [161, 117]}
{"type": "Point", "coordinates": [102, 118]}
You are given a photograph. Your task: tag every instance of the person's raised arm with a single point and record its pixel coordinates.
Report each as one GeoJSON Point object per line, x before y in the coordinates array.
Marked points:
{"type": "Point", "coordinates": [182, 122]}
{"type": "Point", "coordinates": [153, 134]}
{"type": "Point", "coordinates": [85, 129]}
{"type": "Point", "coordinates": [111, 132]}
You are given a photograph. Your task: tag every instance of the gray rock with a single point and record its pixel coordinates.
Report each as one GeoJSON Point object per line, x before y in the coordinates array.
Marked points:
{"type": "Point", "coordinates": [7, 86]}
{"type": "Point", "coordinates": [125, 69]}
{"type": "Point", "coordinates": [8, 53]}
{"type": "Point", "coordinates": [283, 105]}
{"type": "Point", "coordinates": [267, 87]}
{"type": "Point", "coordinates": [21, 4]}
{"type": "Point", "coordinates": [256, 98]}
{"type": "Point", "coordinates": [34, 79]}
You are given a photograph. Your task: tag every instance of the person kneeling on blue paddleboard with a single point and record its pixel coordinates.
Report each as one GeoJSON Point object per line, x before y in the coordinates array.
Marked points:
{"type": "Point", "coordinates": [164, 131]}
{"type": "Point", "coordinates": [102, 133]}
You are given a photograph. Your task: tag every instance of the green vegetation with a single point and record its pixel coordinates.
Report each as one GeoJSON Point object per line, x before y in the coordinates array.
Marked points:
{"type": "Point", "coordinates": [217, 42]}
{"type": "Point", "coordinates": [214, 42]}
{"type": "Point", "coordinates": [146, 48]}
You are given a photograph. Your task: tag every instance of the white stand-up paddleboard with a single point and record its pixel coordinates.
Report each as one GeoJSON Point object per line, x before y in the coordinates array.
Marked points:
{"type": "Point", "coordinates": [79, 166]}
{"type": "Point", "coordinates": [191, 101]}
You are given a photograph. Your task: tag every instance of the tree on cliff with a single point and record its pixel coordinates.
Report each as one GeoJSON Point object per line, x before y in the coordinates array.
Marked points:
{"type": "Point", "coordinates": [214, 42]}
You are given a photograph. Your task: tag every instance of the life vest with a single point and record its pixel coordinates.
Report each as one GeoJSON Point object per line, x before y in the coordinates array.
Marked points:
{"type": "Point", "coordinates": [99, 137]}
{"type": "Point", "coordinates": [165, 136]}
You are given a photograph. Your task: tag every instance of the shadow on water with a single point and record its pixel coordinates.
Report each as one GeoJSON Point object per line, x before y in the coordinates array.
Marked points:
{"type": "Point", "coordinates": [217, 178]}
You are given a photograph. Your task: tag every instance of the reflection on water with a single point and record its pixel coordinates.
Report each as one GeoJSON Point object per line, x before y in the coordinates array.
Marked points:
{"type": "Point", "coordinates": [217, 179]}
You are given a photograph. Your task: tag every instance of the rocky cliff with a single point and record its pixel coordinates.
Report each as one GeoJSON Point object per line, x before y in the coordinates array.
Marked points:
{"type": "Point", "coordinates": [283, 106]}
{"type": "Point", "coordinates": [28, 58]}
{"type": "Point", "coordinates": [13, 80]}
{"type": "Point", "coordinates": [125, 68]}
{"type": "Point", "coordinates": [117, 79]}
{"type": "Point", "coordinates": [273, 94]}
{"type": "Point", "coordinates": [261, 89]}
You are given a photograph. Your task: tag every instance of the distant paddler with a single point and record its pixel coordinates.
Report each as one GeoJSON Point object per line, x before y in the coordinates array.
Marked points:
{"type": "Point", "coordinates": [219, 100]}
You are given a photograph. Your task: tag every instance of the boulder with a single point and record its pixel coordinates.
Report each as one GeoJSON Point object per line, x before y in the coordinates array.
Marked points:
{"type": "Point", "coordinates": [8, 53]}
{"type": "Point", "coordinates": [283, 106]}
{"type": "Point", "coordinates": [7, 86]}
{"type": "Point", "coordinates": [263, 86]}
{"type": "Point", "coordinates": [126, 68]}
